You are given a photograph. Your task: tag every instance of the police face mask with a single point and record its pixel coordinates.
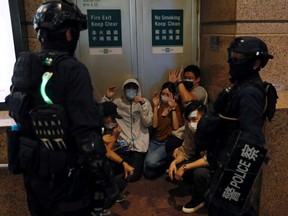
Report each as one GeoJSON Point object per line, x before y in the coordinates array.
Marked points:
{"type": "Point", "coordinates": [240, 68]}
{"type": "Point", "coordinates": [188, 83]}
{"type": "Point", "coordinates": [130, 94]}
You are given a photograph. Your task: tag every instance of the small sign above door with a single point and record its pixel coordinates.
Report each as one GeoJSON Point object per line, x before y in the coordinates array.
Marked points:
{"type": "Point", "coordinates": [167, 31]}
{"type": "Point", "coordinates": [104, 29]}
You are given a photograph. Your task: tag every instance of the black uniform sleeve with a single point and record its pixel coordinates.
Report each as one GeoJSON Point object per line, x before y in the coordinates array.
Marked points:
{"type": "Point", "coordinates": [251, 105]}
{"type": "Point", "coordinates": [79, 103]}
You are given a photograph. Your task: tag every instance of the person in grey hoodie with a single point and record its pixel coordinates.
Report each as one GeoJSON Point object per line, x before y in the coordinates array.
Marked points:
{"type": "Point", "coordinates": [136, 112]}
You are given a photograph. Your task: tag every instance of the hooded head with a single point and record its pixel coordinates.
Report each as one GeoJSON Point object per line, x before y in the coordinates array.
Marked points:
{"type": "Point", "coordinates": [131, 88]}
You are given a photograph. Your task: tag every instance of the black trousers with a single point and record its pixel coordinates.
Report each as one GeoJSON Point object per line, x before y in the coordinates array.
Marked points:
{"type": "Point", "coordinates": [136, 160]}
{"type": "Point", "coordinates": [200, 179]}
{"type": "Point", "coordinates": [61, 196]}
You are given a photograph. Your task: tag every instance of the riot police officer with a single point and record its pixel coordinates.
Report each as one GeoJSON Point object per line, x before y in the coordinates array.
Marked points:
{"type": "Point", "coordinates": [64, 141]}
{"type": "Point", "coordinates": [241, 109]}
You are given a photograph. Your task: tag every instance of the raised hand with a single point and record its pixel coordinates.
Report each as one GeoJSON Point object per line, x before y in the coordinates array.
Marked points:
{"type": "Point", "coordinates": [180, 74]}
{"type": "Point", "coordinates": [156, 99]}
{"type": "Point", "coordinates": [175, 75]}
{"type": "Point", "coordinates": [139, 99]}
{"type": "Point", "coordinates": [172, 76]}
{"type": "Point", "coordinates": [110, 92]}
{"type": "Point", "coordinates": [171, 101]}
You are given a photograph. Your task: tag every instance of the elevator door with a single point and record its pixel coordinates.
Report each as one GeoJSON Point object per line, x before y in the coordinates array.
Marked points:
{"type": "Point", "coordinates": [137, 38]}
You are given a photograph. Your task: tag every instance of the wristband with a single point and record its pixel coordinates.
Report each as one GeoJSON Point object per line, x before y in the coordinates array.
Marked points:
{"type": "Point", "coordinates": [179, 82]}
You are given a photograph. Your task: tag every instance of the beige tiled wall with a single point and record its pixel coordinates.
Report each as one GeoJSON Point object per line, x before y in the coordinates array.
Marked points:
{"type": "Point", "coordinates": [227, 19]}
{"type": "Point", "coordinates": [274, 193]}
{"type": "Point", "coordinates": [30, 8]}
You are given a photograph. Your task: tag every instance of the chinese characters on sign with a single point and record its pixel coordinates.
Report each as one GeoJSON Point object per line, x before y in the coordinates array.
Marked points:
{"type": "Point", "coordinates": [167, 31]}
{"type": "Point", "coordinates": [104, 29]}
{"type": "Point", "coordinates": [248, 156]}
{"type": "Point", "coordinates": [240, 172]}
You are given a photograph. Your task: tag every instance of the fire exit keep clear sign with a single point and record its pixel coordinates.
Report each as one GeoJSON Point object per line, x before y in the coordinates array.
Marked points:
{"type": "Point", "coordinates": [104, 29]}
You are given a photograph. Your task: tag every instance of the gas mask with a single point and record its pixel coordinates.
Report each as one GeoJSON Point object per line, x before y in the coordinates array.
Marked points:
{"type": "Point", "coordinates": [188, 83]}
{"type": "Point", "coordinates": [130, 93]}
{"type": "Point", "coordinates": [240, 68]}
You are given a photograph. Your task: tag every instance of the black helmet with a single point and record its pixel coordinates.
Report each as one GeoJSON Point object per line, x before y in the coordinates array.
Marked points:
{"type": "Point", "coordinates": [252, 47]}
{"type": "Point", "coordinates": [53, 14]}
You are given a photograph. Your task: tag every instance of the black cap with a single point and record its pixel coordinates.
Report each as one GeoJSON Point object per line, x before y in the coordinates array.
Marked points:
{"type": "Point", "coordinates": [131, 85]}
{"type": "Point", "coordinates": [53, 16]}
{"type": "Point", "coordinates": [252, 47]}
{"type": "Point", "coordinates": [110, 109]}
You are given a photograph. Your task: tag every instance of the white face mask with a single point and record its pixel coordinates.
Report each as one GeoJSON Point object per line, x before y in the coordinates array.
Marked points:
{"type": "Point", "coordinates": [110, 125]}
{"type": "Point", "coordinates": [164, 99]}
{"type": "Point", "coordinates": [192, 126]}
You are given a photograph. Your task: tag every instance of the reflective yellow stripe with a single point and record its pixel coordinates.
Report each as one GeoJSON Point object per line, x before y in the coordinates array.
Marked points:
{"type": "Point", "coordinates": [227, 118]}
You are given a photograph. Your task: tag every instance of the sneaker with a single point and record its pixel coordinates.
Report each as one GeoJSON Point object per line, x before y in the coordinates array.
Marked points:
{"type": "Point", "coordinates": [192, 206]}
{"type": "Point", "coordinates": [120, 198]}
{"type": "Point", "coordinates": [103, 212]}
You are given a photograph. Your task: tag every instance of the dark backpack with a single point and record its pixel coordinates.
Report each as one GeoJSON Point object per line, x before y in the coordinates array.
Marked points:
{"type": "Point", "coordinates": [271, 97]}
{"type": "Point", "coordinates": [24, 97]}
{"type": "Point", "coordinates": [208, 126]}
{"type": "Point", "coordinates": [270, 100]}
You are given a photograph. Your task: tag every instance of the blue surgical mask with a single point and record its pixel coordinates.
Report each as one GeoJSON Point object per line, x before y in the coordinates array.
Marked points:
{"type": "Point", "coordinates": [130, 93]}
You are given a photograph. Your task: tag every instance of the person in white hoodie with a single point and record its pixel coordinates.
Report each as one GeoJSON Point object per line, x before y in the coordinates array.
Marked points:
{"type": "Point", "coordinates": [136, 112]}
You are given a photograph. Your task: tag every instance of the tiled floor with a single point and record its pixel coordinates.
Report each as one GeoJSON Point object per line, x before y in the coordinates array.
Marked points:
{"type": "Point", "coordinates": [158, 197]}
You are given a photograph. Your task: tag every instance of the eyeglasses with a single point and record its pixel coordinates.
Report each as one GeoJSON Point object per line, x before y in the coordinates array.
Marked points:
{"type": "Point", "coordinates": [190, 77]}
